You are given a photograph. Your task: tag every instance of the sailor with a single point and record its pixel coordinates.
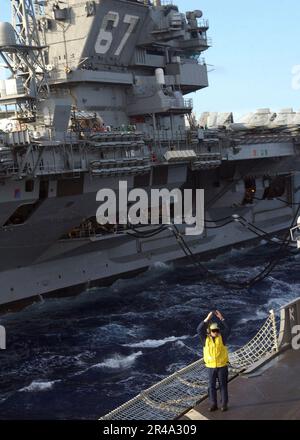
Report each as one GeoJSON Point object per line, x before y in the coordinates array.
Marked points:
{"type": "Point", "coordinates": [215, 358]}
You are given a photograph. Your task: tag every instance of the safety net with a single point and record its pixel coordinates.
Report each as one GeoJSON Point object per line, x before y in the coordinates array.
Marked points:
{"type": "Point", "coordinates": [182, 390]}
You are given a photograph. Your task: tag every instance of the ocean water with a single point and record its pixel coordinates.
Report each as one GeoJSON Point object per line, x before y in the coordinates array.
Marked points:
{"type": "Point", "coordinates": [79, 358]}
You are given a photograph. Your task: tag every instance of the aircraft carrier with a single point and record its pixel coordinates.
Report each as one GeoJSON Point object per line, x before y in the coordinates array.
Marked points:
{"type": "Point", "coordinates": [97, 92]}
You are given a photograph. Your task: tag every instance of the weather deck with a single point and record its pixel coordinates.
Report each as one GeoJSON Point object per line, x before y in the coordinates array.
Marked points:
{"type": "Point", "coordinates": [271, 393]}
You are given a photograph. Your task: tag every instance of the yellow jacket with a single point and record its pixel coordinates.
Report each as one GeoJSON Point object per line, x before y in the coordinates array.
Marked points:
{"type": "Point", "coordinates": [215, 353]}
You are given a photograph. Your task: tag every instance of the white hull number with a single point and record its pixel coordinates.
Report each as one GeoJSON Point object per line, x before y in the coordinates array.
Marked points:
{"type": "Point", "coordinates": [105, 37]}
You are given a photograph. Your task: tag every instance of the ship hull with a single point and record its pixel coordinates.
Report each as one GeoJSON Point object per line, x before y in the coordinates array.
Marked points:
{"type": "Point", "coordinates": [42, 258]}
{"type": "Point", "coordinates": [111, 258]}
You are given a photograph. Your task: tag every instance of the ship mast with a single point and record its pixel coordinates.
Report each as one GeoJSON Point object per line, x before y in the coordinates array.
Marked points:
{"type": "Point", "coordinates": [24, 56]}
{"type": "Point", "coordinates": [24, 22]}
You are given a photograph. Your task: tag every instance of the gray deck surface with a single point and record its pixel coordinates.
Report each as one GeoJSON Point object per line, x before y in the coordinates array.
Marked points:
{"type": "Point", "coordinates": [272, 393]}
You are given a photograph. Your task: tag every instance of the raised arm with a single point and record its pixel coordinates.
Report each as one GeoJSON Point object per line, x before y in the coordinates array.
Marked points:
{"type": "Point", "coordinates": [225, 329]}
{"type": "Point", "coordinates": [202, 327]}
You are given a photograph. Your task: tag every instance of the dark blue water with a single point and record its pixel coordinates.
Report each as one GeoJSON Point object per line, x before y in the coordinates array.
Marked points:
{"type": "Point", "coordinates": [81, 357]}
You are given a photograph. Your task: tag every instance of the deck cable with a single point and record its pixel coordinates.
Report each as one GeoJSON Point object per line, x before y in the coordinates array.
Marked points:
{"type": "Point", "coordinates": [195, 259]}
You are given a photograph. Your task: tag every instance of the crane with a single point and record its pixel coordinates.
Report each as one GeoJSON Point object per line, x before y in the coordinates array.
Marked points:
{"type": "Point", "coordinates": [24, 57]}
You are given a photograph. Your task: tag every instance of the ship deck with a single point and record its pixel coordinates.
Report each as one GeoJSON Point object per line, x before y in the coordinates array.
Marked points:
{"type": "Point", "coordinates": [271, 393]}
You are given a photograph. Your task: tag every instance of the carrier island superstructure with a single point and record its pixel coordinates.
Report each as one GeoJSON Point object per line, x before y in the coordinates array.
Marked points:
{"type": "Point", "coordinates": [99, 91]}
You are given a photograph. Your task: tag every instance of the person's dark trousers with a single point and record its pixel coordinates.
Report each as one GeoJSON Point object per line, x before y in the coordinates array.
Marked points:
{"type": "Point", "coordinates": [220, 374]}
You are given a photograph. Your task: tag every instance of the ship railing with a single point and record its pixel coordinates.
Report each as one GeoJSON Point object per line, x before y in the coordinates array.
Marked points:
{"type": "Point", "coordinates": [172, 397]}
{"type": "Point", "coordinates": [52, 169]}
{"type": "Point", "coordinates": [174, 103]}
{"type": "Point", "coordinates": [203, 23]}
{"type": "Point", "coordinates": [95, 233]}
{"type": "Point", "coordinates": [77, 168]}
{"type": "Point", "coordinates": [188, 103]}
{"type": "Point", "coordinates": [163, 135]}
{"type": "Point", "coordinates": [253, 137]}
{"type": "Point", "coordinates": [8, 170]}
{"type": "Point", "coordinates": [200, 60]}
{"type": "Point", "coordinates": [164, 2]}
{"type": "Point", "coordinates": [181, 140]}
{"type": "Point", "coordinates": [81, 234]}
{"type": "Point", "coordinates": [208, 41]}
{"type": "Point", "coordinates": [161, 139]}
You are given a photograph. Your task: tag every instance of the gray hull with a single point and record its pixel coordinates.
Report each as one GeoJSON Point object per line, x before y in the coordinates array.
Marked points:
{"type": "Point", "coordinates": [101, 260]}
